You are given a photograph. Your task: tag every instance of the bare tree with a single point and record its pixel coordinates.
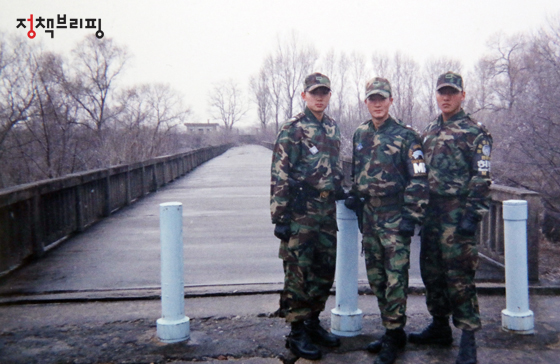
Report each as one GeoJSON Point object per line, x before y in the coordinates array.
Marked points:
{"type": "Point", "coordinates": [97, 65]}
{"type": "Point", "coordinates": [134, 121]}
{"type": "Point", "coordinates": [405, 82]}
{"type": "Point", "coordinates": [360, 75]}
{"type": "Point", "coordinates": [168, 114]}
{"type": "Point", "coordinates": [227, 103]}
{"type": "Point", "coordinates": [261, 96]}
{"type": "Point", "coordinates": [337, 68]}
{"type": "Point", "coordinates": [54, 148]}
{"type": "Point", "coordinates": [295, 61]}
{"type": "Point", "coordinates": [58, 118]}
{"type": "Point", "coordinates": [534, 117]}
{"type": "Point", "coordinates": [151, 118]}
{"type": "Point", "coordinates": [507, 60]}
{"type": "Point", "coordinates": [272, 66]}
{"type": "Point", "coordinates": [479, 93]}
{"type": "Point", "coordinates": [17, 71]}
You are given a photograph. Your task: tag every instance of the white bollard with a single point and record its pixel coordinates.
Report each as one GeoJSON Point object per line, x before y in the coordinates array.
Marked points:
{"type": "Point", "coordinates": [173, 326]}
{"type": "Point", "coordinates": [346, 318]}
{"type": "Point", "coordinates": [516, 317]}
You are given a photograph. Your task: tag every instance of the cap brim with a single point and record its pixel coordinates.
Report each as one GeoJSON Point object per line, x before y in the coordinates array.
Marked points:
{"type": "Point", "coordinates": [385, 94]}
{"type": "Point", "coordinates": [449, 85]}
{"type": "Point", "coordinates": [314, 87]}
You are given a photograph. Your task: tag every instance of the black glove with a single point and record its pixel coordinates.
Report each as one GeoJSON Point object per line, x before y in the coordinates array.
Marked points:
{"type": "Point", "coordinates": [352, 202]}
{"type": "Point", "coordinates": [467, 225]}
{"type": "Point", "coordinates": [406, 227]}
{"type": "Point", "coordinates": [282, 231]}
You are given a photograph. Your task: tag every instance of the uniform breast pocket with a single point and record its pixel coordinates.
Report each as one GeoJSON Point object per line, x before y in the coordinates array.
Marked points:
{"type": "Point", "coordinates": [449, 157]}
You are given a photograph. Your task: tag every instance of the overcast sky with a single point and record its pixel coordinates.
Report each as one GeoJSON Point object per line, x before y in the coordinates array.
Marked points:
{"type": "Point", "coordinates": [193, 44]}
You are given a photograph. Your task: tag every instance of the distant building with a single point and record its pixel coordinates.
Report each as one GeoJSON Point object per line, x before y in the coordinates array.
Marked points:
{"type": "Point", "coordinates": [202, 128]}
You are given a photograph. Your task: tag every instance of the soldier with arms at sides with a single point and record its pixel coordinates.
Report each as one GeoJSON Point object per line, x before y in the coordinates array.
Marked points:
{"type": "Point", "coordinates": [306, 181]}
{"type": "Point", "coordinates": [457, 153]}
{"type": "Point", "coordinates": [389, 194]}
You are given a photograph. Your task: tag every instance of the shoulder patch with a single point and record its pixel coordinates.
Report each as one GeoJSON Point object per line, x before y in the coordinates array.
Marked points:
{"type": "Point", "coordinates": [409, 127]}
{"type": "Point", "coordinates": [478, 124]}
{"type": "Point", "coordinates": [295, 118]}
{"type": "Point", "coordinates": [483, 128]}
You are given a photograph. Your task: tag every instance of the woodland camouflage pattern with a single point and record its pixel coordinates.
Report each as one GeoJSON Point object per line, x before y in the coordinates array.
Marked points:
{"type": "Point", "coordinates": [388, 163]}
{"type": "Point", "coordinates": [309, 260]}
{"type": "Point", "coordinates": [378, 85]}
{"type": "Point", "coordinates": [458, 158]}
{"type": "Point", "coordinates": [308, 151]}
{"type": "Point", "coordinates": [316, 80]}
{"type": "Point", "coordinates": [450, 79]}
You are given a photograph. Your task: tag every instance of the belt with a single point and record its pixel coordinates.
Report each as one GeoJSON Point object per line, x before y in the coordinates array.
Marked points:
{"type": "Point", "coordinates": [378, 201]}
{"type": "Point", "coordinates": [436, 197]}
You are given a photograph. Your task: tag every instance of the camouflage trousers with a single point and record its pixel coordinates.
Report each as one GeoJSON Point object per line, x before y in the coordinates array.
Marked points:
{"type": "Point", "coordinates": [387, 256]}
{"type": "Point", "coordinates": [309, 259]}
{"type": "Point", "coordinates": [448, 263]}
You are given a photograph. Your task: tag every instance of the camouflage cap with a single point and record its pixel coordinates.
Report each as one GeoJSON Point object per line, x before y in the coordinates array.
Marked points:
{"type": "Point", "coordinates": [379, 86]}
{"type": "Point", "coordinates": [450, 79]}
{"type": "Point", "coordinates": [316, 80]}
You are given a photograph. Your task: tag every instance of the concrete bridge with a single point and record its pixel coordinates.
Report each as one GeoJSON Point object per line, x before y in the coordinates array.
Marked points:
{"type": "Point", "coordinates": [231, 270]}
{"type": "Point", "coordinates": [228, 239]}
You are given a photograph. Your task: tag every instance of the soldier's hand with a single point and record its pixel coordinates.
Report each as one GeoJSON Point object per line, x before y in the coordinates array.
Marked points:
{"type": "Point", "coordinates": [406, 228]}
{"type": "Point", "coordinates": [282, 231]}
{"type": "Point", "coordinates": [352, 202]}
{"type": "Point", "coordinates": [467, 225]}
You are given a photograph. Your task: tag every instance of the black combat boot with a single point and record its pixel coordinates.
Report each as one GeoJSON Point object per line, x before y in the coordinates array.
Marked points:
{"type": "Point", "coordinates": [391, 342]}
{"type": "Point", "coordinates": [438, 332]}
{"type": "Point", "coordinates": [467, 349]}
{"type": "Point", "coordinates": [300, 344]}
{"type": "Point", "coordinates": [375, 347]}
{"type": "Point", "coordinates": [319, 335]}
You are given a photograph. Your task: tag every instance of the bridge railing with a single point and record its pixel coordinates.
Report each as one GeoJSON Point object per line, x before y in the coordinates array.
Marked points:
{"type": "Point", "coordinates": [35, 217]}
{"type": "Point", "coordinates": [491, 229]}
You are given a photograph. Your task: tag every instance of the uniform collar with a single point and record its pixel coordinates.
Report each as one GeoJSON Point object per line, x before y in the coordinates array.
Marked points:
{"type": "Point", "coordinates": [460, 115]}
{"type": "Point", "coordinates": [312, 117]}
{"type": "Point", "coordinates": [386, 124]}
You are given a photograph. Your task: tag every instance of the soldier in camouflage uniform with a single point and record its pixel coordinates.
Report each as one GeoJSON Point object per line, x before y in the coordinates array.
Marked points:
{"type": "Point", "coordinates": [306, 177]}
{"type": "Point", "coordinates": [458, 158]}
{"type": "Point", "coordinates": [389, 176]}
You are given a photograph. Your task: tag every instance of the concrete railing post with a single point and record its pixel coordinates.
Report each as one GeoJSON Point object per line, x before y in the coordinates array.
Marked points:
{"type": "Point", "coordinates": [173, 326]}
{"type": "Point", "coordinates": [346, 318]}
{"type": "Point", "coordinates": [516, 317]}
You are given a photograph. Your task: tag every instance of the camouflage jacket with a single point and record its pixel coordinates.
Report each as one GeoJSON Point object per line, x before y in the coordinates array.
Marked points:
{"type": "Point", "coordinates": [389, 161]}
{"type": "Point", "coordinates": [458, 160]}
{"type": "Point", "coordinates": [306, 150]}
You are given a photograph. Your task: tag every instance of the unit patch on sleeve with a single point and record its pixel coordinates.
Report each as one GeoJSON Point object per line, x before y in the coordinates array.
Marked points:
{"type": "Point", "coordinates": [417, 160]}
